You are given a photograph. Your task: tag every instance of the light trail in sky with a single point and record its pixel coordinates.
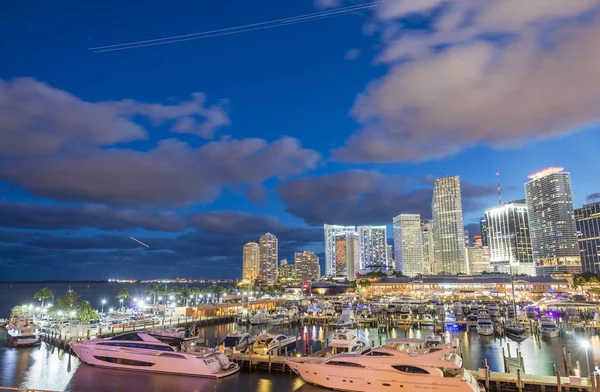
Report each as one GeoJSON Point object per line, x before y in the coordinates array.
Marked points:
{"type": "Point", "coordinates": [237, 29]}
{"type": "Point", "coordinates": [136, 240]}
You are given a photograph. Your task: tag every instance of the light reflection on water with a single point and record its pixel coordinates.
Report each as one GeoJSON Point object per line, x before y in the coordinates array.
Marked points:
{"type": "Point", "coordinates": [45, 367]}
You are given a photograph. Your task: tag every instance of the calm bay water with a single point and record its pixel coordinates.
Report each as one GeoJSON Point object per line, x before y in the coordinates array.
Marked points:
{"type": "Point", "coordinates": [45, 367]}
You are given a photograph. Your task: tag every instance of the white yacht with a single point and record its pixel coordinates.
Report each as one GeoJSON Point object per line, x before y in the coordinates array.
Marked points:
{"type": "Point", "coordinates": [236, 341]}
{"type": "Point", "coordinates": [405, 312]}
{"type": "Point", "coordinates": [433, 341]}
{"type": "Point", "coordinates": [548, 327]}
{"type": "Point", "coordinates": [22, 332]}
{"type": "Point", "coordinates": [275, 344]}
{"type": "Point", "coordinates": [260, 317]}
{"type": "Point", "coordinates": [385, 369]}
{"type": "Point", "coordinates": [515, 330]}
{"type": "Point", "coordinates": [493, 310]}
{"type": "Point", "coordinates": [141, 352]}
{"type": "Point", "coordinates": [345, 341]}
{"type": "Point", "coordinates": [391, 308]}
{"type": "Point", "coordinates": [472, 320]}
{"type": "Point", "coordinates": [313, 310]}
{"type": "Point", "coordinates": [484, 325]}
{"type": "Point", "coordinates": [328, 310]}
{"type": "Point", "coordinates": [346, 319]}
{"type": "Point", "coordinates": [176, 337]}
{"type": "Point", "coordinates": [427, 320]}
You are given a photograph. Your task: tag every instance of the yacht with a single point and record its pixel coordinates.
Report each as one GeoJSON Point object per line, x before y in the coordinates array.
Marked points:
{"type": "Point", "coordinates": [313, 310]}
{"type": "Point", "coordinates": [385, 369]}
{"type": "Point", "coordinates": [458, 310]}
{"type": "Point", "coordinates": [346, 319]}
{"type": "Point", "coordinates": [515, 330]}
{"type": "Point", "coordinates": [450, 318]}
{"type": "Point", "coordinates": [548, 327]}
{"type": "Point", "coordinates": [328, 310]}
{"type": "Point", "coordinates": [236, 341]}
{"type": "Point", "coordinates": [427, 320]}
{"type": "Point", "coordinates": [141, 352]}
{"type": "Point", "coordinates": [405, 311]}
{"type": "Point", "coordinates": [531, 312]}
{"type": "Point", "coordinates": [493, 310]}
{"type": "Point", "coordinates": [177, 337]}
{"type": "Point", "coordinates": [391, 309]}
{"type": "Point", "coordinates": [433, 341]}
{"type": "Point", "coordinates": [484, 325]}
{"type": "Point", "coordinates": [22, 332]}
{"type": "Point", "coordinates": [345, 341]}
{"type": "Point", "coordinates": [267, 343]}
{"type": "Point", "coordinates": [260, 317]}
{"type": "Point", "coordinates": [472, 320]}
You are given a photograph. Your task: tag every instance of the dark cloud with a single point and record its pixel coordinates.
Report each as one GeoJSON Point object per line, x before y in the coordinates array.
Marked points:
{"type": "Point", "coordinates": [173, 173]}
{"type": "Point", "coordinates": [593, 197]}
{"type": "Point", "coordinates": [365, 197]}
{"type": "Point", "coordinates": [51, 216]}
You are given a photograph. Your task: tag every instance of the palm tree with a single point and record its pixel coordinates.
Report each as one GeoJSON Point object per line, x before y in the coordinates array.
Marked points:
{"type": "Point", "coordinates": [43, 295]}
{"type": "Point", "coordinates": [217, 291]}
{"type": "Point", "coordinates": [123, 294]}
{"type": "Point", "coordinates": [185, 293]}
{"type": "Point", "coordinates": [153, 289]}
{"type": "Point", "coordinates": [195, 291]}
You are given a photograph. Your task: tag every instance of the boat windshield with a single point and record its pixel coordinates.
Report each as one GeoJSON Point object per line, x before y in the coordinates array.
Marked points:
{"type": "Point", "coordinates": [231, 341]}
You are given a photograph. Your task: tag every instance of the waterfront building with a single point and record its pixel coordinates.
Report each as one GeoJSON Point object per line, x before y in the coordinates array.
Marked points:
{"type": "Point", "coordinates": [287, 272]}
{"type": "Point", "coordinates": [408, 243]}
{"type": "Point", "coordinates": [250, 262]}
{"type": "Point", "coordinates": [428, 252]}
{"type": "Point", "coordinates": [468, 286]}
{"type": "Point", "coordinates": [269, 255]}
{"type": "Point", "coordinates": [372, 242]}
{"type": "Point", "coordinates": [307, 266]}
{"type": "Point", "coordinates": [331, 231]}
{"type": "Point", "coordinates": [552, 222]}
{"type": "Point", "coordinates": [478, 259]}
{"type": "Point", "coordinates": [483, 227]}
{"type": "Point", "coordinates": [587, 219]}
{"type": "Point", "coordinates": [448, 230]}
{"type": "Point", "coordinates": [508, 238]}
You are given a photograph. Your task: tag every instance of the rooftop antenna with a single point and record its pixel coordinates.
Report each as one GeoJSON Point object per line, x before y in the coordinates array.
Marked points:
{"type": "Point", "coordinates": [498, 182]}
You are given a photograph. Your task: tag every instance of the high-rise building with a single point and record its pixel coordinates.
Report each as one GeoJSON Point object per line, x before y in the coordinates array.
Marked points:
{"type": "Point", "coordinates": [373, 247]}
{"type": "Point", "coordinates": [428, 252]}
{"type": "Point", "coordinates": [390, 254]}
{"type": "Point", "coordinates": [269, 255]}
{"type": "Point", "coordinates": [307, 266]}
{"type": "Point", "coordinates": [587, 219]}
{"type": "Point", "coordinates": [340, 255]}
{"type": "Point", "coordinates": [478, 259]}
{"type": "Point", "coordinates": [448, 229]}
{"type": "Point", "coordinates": [287, 272]}
{"type": "Point", "coordinates": [467, 238]}
{"type": "Point", "coordinates": [483, 227]}
{"type": "Point", "coordinates": [508, 238]}
{"type": "Point", "coordinates": [552, 222]}
{"type": "Point", "coordinates": [351, 254]}
{"type": "Point", "coordinates": [477, 241]}
{"type": "Point", "coordinates": [250, 262]}
{"type": "Point", "coordinates": [330, 233]}
{"type": "Point", "coordinates": [408, 243]}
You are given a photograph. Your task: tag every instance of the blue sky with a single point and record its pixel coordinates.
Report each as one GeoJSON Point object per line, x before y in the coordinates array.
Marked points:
{"type": "Point", "coordinates": [340, 120]}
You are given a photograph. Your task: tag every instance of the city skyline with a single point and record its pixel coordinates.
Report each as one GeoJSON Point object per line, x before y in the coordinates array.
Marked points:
{"type": "Point", "coordinates": [197, 148]}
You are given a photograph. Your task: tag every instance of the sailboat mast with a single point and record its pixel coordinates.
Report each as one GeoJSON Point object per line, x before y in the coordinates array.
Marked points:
{"type": "Point", "coordinates": [512, 284]}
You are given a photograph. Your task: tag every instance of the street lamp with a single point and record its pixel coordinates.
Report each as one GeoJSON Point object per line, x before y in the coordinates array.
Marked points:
{"type": "Point", "coordinates": [121, 301]}
{"type": "Point", "coordinates": [586, 345]}
{"type": "Point", "coordinates": [103, 302]}
{"type": "Point", "coordinates": [110, 310]}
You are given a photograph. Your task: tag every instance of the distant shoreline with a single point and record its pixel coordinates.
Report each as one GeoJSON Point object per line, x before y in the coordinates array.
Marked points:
{"type": "Point", "coordinates": [55, 281]}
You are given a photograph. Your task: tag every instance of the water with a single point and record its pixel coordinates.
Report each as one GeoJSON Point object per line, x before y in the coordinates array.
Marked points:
{"type": "Point", "coordinates": [45, 367]}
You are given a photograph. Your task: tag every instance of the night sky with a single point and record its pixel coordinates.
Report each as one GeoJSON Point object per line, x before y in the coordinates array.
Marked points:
{"type": "Point", "coordinates": [196, 148]}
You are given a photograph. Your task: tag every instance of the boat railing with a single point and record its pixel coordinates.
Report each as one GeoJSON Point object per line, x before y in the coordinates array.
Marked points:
{"type": "Point", "coordinates": [24, 389]}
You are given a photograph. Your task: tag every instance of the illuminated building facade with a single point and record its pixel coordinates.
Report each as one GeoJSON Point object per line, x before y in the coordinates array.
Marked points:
{"type": "Point", "coordinates": [269, 257]}
{"type": "Point", "coordinates": [587, 219]}
{"type": "Point", "coordinates": [250, 262]}
{"type": "Point", "coordinates": [427, 241]}
{"type": "Point", "coordinates": [331, 231]}
{"type": "Point", "coordinates": [408, 243]}
{"type": "Point", "coordinates": [373, 247]}
{"type": "Point", "coordinates": [307, 266]}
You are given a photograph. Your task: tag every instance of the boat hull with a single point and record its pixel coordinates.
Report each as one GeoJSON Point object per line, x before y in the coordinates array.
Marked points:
{"type": "Point", "coordinates": [549, 333]}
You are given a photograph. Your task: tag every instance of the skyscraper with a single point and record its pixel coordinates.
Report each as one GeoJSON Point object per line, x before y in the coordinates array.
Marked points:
{"type": "Point", "coordinates": [478, 259]}
{"type": "Point", "coordinates": [448, 230]}
{"type": "Point", "coordinates": [587, 219]}
{"type": "Point", "coordinates": [428, 252]}
{"type": "Point", "coordinates": [307, 266]}
{"type": "Point", "coordinates": [340, 254]}
{"type": "Point", "coordinates": [287, 272]}
{"type": "Point", "coordinates": [508, 238]}
{"type": "Point", "coordinates": [483, 227]}
{"type": "Point", "coordinates": [269, 255]}
{"type": "Point", "coordinates": [552, 222]}
{"type": "Point", "coordinates": [390, 261]}
{"type": "Point", "coordinates": [373, 247]}
{"type": "Point", "coordinates": [408, 243]}
{"type": "Point", "coordinates": [347, 255]}
{"type": "Point", "coordinates": [250, 262]}
{"type": "Point", "coordinates": [330, 232]}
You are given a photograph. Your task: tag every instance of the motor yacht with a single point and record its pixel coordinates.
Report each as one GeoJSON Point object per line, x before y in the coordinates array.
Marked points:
{"type": "Point", "coordinates": [484, 325]}
{"type": "Point", "coordinates": [427, 320]}
{"type": "Point", "coordinates": [433, 341]}
{"type": "Point", "coordinates": [277, 320]}
{"type": "Point", "coordinates": [267, 343]}
{"type": "Point", "coordinates": [260, 317]}
{"type": "Point", "coordinates": [313, 310]}
{"type": "Point", "coordinates": [405, 311]}
{"type": "Point", "coordinates": [515, 330]}
{"type": "Point", "coordinates": [22, 332]}
{"type": "Point", "coordinates": [176, 337]}
{"type": "Point", "coordinates": [472, 320]}
{"type": "Point", "coordinates": [386, 369]}
{"type": "Point", "coordinates": [391, 309]}
{"type": "Point", "coordinates": [346, 320]}
{"type": "Point", "coordinates": [328, 310]}
{"type": "Point", "coordinates": [532, 312]}
{"type": "Point", "coordinates": [458, 310]}
{"type": "Point", "coordinates": [548, 327]}
{"type": "Point", "coordinates": [236, 341]}
{"type": "Point", "coordinates": [450, 318]}
{"type": "Point", "coordinates": [493, 310]}
{"type": "Point", "coordinates": [139, 351]}
{"type": "Point", "coordinates": [345, 341]}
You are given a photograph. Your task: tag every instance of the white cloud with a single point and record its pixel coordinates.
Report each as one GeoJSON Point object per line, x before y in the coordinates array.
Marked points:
{"type": "Point", "coordinates": [322, 4]}
{"type": "Point", "coordinates": [477, 91]}
{"type": "Point", "coordinates": [352, 54]}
